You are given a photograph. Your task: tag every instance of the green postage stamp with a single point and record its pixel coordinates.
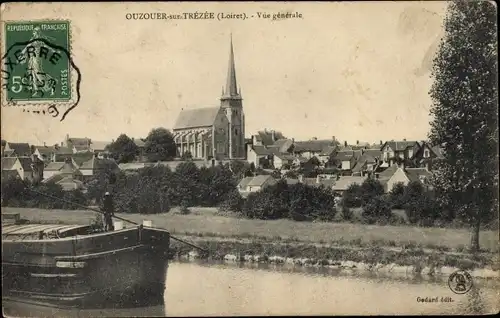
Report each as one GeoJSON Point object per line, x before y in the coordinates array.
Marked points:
{"type": "Point", "coordinates": [37, 66]}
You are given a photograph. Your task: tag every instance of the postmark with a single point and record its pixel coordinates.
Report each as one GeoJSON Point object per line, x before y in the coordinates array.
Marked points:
{"type": "Point", "coordinates": [38, 72]}
{"type": "Point", "coordinates": [460, 282]}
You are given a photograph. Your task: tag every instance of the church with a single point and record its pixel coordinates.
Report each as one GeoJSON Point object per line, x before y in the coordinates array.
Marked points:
{"type": "Point", "coordinates": [214, 132]}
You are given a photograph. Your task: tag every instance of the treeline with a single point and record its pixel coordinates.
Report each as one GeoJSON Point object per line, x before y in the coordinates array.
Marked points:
{"type": "Point", "coordinates": [16, 193]}
{"type": "Point", "coordinates": [377, 206]}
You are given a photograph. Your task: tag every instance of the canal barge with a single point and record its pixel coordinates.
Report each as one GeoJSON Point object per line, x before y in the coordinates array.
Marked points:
{"type": "Point", "coordinates": [76, 267]}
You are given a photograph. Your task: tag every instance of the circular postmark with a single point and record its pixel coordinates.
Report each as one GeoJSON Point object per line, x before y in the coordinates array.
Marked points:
{"type": "Point", "coordinates": [460, 282]}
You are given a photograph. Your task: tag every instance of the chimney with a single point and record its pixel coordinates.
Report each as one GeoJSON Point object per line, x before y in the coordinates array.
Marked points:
{"type": "Point", "coordinates": [381, 142]}
{"type": "Point", "coordinates": [45, 145]}
{"type": "Point", "coordinates": [357, 142]}
{"type": "Point", "coordinates": [301, 178]}
{"type": "Point", "coordinates": [404, 139]}
{"type": "Point", "coordinates": [273, 135]}
{"type": "Point", "coordinates": [345, 143]}
{"type": "Point", "coordinates": [67, 137]}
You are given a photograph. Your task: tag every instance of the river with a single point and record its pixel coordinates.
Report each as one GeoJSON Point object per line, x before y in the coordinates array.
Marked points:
{"type": "Point", "coordinates": [208, 289]}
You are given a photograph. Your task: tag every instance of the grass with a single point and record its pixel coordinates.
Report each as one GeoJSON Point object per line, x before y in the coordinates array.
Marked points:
{"type": "Point", "coordinates": [206, 222]}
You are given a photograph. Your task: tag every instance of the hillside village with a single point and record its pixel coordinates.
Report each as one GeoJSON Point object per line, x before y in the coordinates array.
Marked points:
{"type": "Point", "coordinates": [76, 160]}
{"type": "Point", "coordinates": [211, 135]}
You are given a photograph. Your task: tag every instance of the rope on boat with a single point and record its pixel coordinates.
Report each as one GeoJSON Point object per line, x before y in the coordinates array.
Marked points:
{"type": "Point", "coordinates": [115, 216]}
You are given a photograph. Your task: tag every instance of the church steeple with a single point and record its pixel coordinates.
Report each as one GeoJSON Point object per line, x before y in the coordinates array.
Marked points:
{"type": "Point", "coordinates": [231, 90]}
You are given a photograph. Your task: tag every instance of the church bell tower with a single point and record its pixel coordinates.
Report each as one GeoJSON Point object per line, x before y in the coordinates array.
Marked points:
{"type": "Point", "coordinates": [231, 103]}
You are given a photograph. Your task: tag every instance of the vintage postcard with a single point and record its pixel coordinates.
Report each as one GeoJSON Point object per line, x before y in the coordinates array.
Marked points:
{"type": "Point", "coordinates": [245, 158]}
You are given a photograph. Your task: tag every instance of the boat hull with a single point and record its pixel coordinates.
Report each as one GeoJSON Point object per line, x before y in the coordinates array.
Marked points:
{"type": "Point", "coordinates": [125, 268]}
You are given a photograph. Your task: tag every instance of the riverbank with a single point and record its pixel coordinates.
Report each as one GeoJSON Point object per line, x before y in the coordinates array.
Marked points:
{"type": "Point", "coordinates": [370, 247]}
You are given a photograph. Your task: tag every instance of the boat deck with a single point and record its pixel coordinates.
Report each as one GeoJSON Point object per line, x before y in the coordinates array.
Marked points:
{"type": "Point", "coordinates": [17, 232]}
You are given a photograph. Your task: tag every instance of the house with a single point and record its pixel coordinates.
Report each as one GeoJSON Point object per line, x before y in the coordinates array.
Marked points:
{"type": "Point", "coordinates": [422, 175]}
{"type": "Point", "coordinates": [283, 161]}
{"type": "Point", "coordinates": [395, 174]}
{"type": "Point", "coordinates": [214, 132]}
{"type": "Point", "coordinates": [26, 167]}
{"type": "Point", "coordinates": [9, 174]}
{"type": "Point", "coordinates": [346, 160]}
{"type": "Point", "coordinates": [81, 157]}
{"type": "Point", "coordinates": [253, 184]}
{"type": "Point", "coordinates": [325, 155]}
{"type": "Point", "coordinates": [428, 155]}
{"type": "Point", "coordinates": [141, 146]}
{"type": "Point", "coordinates": [258, 155]}
{"type": "Point", "coordinates": [17, 149]}
{"type": "Point", "coordinates": [344, 182]}
{"type": "Point", "coordinates": [45, 153]}
{"type": "Point", "coordinates": [266, 137]}
{"type": "Point", "coordinates": [56, 168]}
{"type": "Point", "coordinates": [99, 148]}
{"type": "Point", "coordinates": [395, 151]}
{"type": "Point", "coordinates": [311, 148]}
{"type": "Point", "coordinates": [78, 144]}
{"type": "Point", "coordinates": [62, 153]}
{"type": "Point", "coordinates": [300, 161]}
{"type": "Point", "coordinates": [95, 165]}
{"type": "Point", "coordinates": [315, 182]}
{"type": "Point", "coordinates": [68, 177]}
{"type": "Point", "coordinates": [366, 164]}
{"type": "Point", "coordinates": [281, 146]}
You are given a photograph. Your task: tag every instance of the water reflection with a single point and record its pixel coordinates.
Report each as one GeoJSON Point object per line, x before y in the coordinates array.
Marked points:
{"type": "Point", "coordinates": [216, 289]}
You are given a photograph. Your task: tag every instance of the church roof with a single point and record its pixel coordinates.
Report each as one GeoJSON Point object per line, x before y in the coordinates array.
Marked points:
{"type": "Point", "coordinates": [231, 86]}
{"type": "Point", "coordinates": [200, 117]}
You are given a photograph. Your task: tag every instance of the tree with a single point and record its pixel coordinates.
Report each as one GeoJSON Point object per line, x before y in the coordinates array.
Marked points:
{"type": "Point", "coordinates": [396, 196]}
{"type": "Point", "coordinates": [370, 188]}
{"type": "Point", "coordinates": [464, 110]}
{"type": "Point", "coordinates": [160, 145]}
{"type": "Point", "coordinates": [351, 198]}
{"type": "Point", "coordinates": [123, 149]}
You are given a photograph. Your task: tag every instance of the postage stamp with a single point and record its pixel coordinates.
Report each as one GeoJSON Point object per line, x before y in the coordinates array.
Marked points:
{"type": "Point", "coordinates": [37, 66]}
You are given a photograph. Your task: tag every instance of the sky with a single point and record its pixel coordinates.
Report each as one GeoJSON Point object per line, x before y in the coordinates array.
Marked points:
{"type": "Point", "coordinates": [356, 71]}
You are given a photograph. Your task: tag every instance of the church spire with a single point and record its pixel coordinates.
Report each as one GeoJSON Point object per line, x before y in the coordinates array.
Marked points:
{"type": "Point", "coordinates": [231, 86]}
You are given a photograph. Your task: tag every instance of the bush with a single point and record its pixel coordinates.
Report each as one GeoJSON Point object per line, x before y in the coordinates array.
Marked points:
{"type": "Point", "coordinates": [233, 202]}
{"type": "Point", "coordinates": [346, 213]}
{"type": "Point", "coordinates": [377, 209]}
{"type": "Point", "coordinates": [351, 198]}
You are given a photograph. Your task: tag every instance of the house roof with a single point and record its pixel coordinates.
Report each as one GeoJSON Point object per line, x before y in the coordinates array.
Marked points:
{"type": "Point", "coordinates": [46, 150]}
{"type": "Point", "coordinates": [8, 153]}
{"type": "Point", "coordinates": [414, 174]}
{"type": "Point", "coordinates": [173, 164]}
{"type": "Point", "coordinates": [21, 148]}
{"type": "Point", "coordinates": [200, 117]}
{"type": "Point", "coordinates": [344, 182]}
{"type": "Point", "coordinates": [327, 151]}
{"type": "Point", "coordinates": [388, 173]}
{"type": "Point", "coordinates": [64, 151]}
{"type": "Point", "coordinates": [54, 166]}
{"type": "Point", "coordinates": [259, 180]}
{"type": "Point", "coordinates": [139, 142]}
{"type": "Point", "coordinates": [400, 145]}
{"type": "Point", "coordinates": [266, 137]}
{"type": "Point", "coordinates": [311, 145]}
{"type": "Point", "coordinates": [26, 163]}
{"type": "Point", "coordinates": [300, 159]}
{"type": "Point", "coordinates": [68, 183]}
{"type": "Point", "coordinates": [244, 182]}
{"type": "Point", "coordinates": [80, 142]}
{"type": "Point", "coordinates": [438, 151]}
{"type": "Point", "coordinates": [345, 155]}
{"type": "Point", "coordinates": [81, 147]}
{"type": "Point", "coordinates": [69, 168]}
{"type": "Point", "coordinates": [80, 158]}
{"type": "Point", "coordinates": [96, 163]}
{"type": "Point", "coordinates": [8, 163]}
{"type": "Point", "coordinates": [99, 145]}
{"type": "Point", "coordinates": [375, 153]}
{"type": "Point", "coordinates": [261, 150]}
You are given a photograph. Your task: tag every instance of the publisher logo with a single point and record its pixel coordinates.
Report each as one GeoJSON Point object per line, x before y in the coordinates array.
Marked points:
{"type": "Point", "coordinates": [460, 282]}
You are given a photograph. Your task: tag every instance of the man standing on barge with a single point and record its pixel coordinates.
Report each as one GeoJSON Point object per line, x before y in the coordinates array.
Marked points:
{"type": "Point", "coordinates": [109, 212]}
